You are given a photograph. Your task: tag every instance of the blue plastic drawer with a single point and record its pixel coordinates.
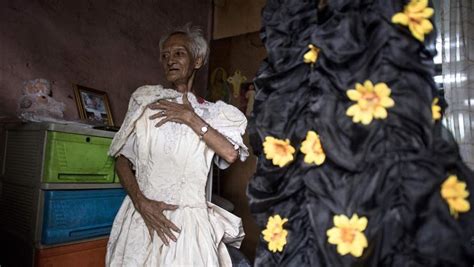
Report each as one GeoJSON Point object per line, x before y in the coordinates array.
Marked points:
{"type": "Point", "coordinates": [71, 215]}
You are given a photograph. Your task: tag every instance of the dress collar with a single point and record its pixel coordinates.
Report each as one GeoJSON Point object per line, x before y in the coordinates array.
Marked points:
{"type": "Point", "coordinates": [194, 100]}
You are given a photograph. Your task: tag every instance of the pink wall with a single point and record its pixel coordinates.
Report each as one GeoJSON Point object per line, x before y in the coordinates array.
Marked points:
{"type": "Point", "coordinates": [106, 45]}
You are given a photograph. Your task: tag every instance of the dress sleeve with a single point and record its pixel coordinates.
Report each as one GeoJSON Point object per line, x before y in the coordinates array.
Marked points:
{"type": "Point", "coordinates": [129, 150]}
{"type": "Point", "coordinates": [231, 123]}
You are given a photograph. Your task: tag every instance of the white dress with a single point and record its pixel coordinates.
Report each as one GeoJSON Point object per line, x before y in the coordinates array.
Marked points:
{"type": "Point", "coordinates": [172, 165]}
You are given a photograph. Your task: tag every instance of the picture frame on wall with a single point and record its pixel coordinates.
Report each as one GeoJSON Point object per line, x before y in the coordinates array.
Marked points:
{"type": "Point", "coordinates": [93, 105]}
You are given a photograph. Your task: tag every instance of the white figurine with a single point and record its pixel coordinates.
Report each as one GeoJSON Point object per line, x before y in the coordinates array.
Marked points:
{"type": "Point", "coordinates": [37, 105]}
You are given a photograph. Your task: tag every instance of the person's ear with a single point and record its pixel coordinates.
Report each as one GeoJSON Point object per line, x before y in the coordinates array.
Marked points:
{"type": "Point", "coordinates": [198, 63]}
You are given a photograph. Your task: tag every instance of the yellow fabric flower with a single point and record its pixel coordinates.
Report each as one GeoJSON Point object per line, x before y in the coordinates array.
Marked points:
{"type": "Point", "coordinates": [436, 109]}
{"type": "Point", "coordinates": [279, 151]}
{"type": "Point", "coordinates": [312, 55]}
{"type": "Point", "coordinates": [274, 234]}
{"type": "Point", "coordinates": [416, 16]}
{"type": "Point", "coordinates": [372, 102]}
{"type": "Point", "coordinates": [455, 194]}
{"type": "Point", "coordinates": [312, 148]}
{"type": "Point", "coordinates": [348, 234]}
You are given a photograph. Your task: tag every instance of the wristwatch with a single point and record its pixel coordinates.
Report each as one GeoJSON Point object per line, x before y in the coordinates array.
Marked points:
{"type": "Point", "coordinates": [204, 130]}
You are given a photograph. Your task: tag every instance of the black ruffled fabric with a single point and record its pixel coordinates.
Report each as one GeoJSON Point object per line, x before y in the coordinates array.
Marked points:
{"type": "Point", "coordinates": [390, 171]}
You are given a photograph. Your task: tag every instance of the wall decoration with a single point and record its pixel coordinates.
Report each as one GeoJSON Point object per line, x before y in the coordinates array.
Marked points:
{"type": "Point", "coordinates": [236, 80]}
{"type": "Point", "coordinates": [232, 90]}
{"type": "Point", "coordinates": [250, 97]}
{"type": "Point", "coordinates": [220, 88]}
{"type": "Point", "coordinates": [93, 105]}
{"type": "Point", "coordinates": [237, 98]}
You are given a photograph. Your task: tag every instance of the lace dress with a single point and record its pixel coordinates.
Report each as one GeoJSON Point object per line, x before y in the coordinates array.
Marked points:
{"type": "Point", "coordinates": [172, 164]}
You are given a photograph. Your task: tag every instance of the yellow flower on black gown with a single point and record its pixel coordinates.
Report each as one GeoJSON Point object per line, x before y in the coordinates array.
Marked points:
{"type": "Point", "coordinates": [372, 102]}
{"type": "Point", "coordinates": [436, 109]}
{"type": "Point", "coordinates": [312, 149]}
{"type": "Point", "coordinates": [416, 16]}
{"type": "Point", "coordinates": [348, 234]}
{"type": "Point", "coordinates": [312, 55]}
{"type": "Point", "coordinates": [275, 234]}
{"type": "Point", "coordinates": [279, 151]}
{"type": "Point", "coordinates": [455, 194]}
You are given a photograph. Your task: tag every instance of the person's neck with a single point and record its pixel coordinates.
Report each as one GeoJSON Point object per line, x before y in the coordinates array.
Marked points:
{"type": "Point", "coordinates": [182, 88]}
{"type": "Point", "coordinates": [185, 87]}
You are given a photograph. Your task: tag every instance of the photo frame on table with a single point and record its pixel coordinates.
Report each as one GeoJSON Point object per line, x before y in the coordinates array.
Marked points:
{"type": "Point", "coordinates": [93, 105]}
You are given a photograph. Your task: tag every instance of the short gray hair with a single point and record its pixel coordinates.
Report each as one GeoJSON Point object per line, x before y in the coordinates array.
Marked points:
{"type": "Point", "coordinates": [198, 46]}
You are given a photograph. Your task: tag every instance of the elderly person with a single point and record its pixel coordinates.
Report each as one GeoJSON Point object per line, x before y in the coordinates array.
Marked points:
{"type": "Point", "coordinates": [164, 152]}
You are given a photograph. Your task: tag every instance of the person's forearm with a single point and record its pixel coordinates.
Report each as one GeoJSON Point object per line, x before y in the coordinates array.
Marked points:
{"type": "Point", "coordinates": [128, 180]}
{"type": "Point", "coordinates": [215, 140]}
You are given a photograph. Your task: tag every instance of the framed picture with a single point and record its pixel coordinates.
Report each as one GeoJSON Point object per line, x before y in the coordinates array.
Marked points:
{"type": "Point", "coordinates": [93, 105]}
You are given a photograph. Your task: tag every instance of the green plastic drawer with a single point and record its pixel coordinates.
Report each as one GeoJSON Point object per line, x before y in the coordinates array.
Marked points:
{"type": "Point", "coordinates": [117, 178]}
{"type": "Point", "coordinates": [76, 158]}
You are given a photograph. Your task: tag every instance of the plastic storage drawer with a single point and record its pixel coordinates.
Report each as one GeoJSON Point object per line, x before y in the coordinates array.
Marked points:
{"type": "Point", "coordinates": [71, 215]}
{"type": "Point", "coordinates": [90, 254]}
{"type": "Point", "coordinates": [76, 158]}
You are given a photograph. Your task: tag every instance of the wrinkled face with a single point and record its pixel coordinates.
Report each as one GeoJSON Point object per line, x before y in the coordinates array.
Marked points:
{"type": "Point", "coordinates": [177, 60]}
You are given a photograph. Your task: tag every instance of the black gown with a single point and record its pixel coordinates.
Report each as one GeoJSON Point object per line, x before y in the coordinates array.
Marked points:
{"type": "Point", "coordinates": [390, 171]}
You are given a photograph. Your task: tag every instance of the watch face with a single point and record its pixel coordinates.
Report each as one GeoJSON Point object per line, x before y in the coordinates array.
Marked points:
{"type": "Point", "coordinates": [204, 129]}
